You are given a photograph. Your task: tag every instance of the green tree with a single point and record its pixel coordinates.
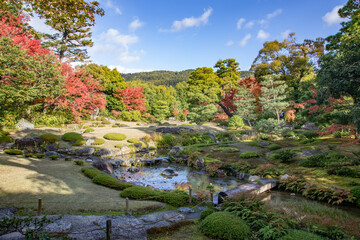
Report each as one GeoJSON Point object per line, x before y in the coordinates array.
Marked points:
{"type": "Point", "coordinates": [273, 95]}
{"type": "Point", "coordinates": [246, 104]}
{"type": "Point", "coordinates": [340, 66]}
{"type": "Point", "coordinates": [111, 80]}
{"type": "Point", "coordinates": [294, 62]}
{"type": "Point", "coordinates": [72, 19]}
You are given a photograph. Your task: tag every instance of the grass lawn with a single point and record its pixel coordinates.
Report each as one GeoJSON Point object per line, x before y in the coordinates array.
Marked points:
{"type": "Point", "coordinates": [62, 187]}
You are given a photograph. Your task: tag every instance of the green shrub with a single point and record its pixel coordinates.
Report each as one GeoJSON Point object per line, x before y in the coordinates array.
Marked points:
{"type": "Point", "coordinates": [91, 172]}
{"type": "Point", "coordinates": [273, 147]}
{"type": "Point", "coordinates": [89, 130]}
{"type": "Point", "coordinates": [98, 141]}
{"type": "Point", "coordinates": [106, 122]}
{"type": "Point", "coordinates": [79, 143]}
{"type": "Point", "coordinates": [270, 126]}
{"type": "Point", "coordinates": [115, 136]}
{"type": "Point", "coordinates": [54, 157]}
{"type": "Point", "coordinates": [294, 234]}
{"type": "Point", "coordinates": [319, 160]}
{"type": "Point", "coordinates": [310, 135]}
{"type": "Point", "coordinates": [108, 181]}
{"type": "Point", "coordinates": [49, 137]}
{"type": "Point", "coordinates": [249, 155]}
{"type": "Point", "coordinates": [343, 171]}
{"type": "Point", "coordinates": [131, 116]}
{"type": "Point", "coordinates": [6, 139]}
{"type": "Point", "coordinates": [13, 151]}
{"type": "Point", "coordinates": [167, 141]}
{"type": "Point", "coordinates": [174, 198]}
{"type": "Point", "coordinates": [224, 225]}
{"type": "Point", "coordinates": [39, 155]}
{"type": "Point", "coordinates": [138, 192]}
{"type": "Point", "coordinates": [133, 140]}
{"type": "Point", "coordinates": [79, 162]}
{"type": "Point", "coordinates": [355, 191]}
{"type": "Point", "coordinates": [72, 137]}
{"type": "Point", "coordinates": [206, 213]}
{"type": "Point", "coordinates": [119, 145]}
{"type": "Point", "coordinates": [68, 158]}
{"type": "Point", "coordinates": [27, 155]}
{"type": "Point", "coordinates": [236, 122]}
{"type": "Point", "coordinates": [284, 156]}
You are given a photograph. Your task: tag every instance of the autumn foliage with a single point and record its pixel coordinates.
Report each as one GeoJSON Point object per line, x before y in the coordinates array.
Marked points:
{"type": "Point", "coordinates": [133, 98]}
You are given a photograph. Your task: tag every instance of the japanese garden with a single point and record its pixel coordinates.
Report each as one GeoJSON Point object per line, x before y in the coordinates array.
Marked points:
{"type": "Point", "coordinates": [213, 152]}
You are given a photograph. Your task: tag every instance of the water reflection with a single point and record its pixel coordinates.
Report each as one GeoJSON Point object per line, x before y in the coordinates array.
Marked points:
{"type": "Point", "coordinates": [199, 180]}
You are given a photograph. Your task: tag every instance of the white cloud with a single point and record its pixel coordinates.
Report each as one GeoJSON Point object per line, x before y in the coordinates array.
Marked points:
{"type": "Point", "coordinates": [111, 5]}
{"type": "Point", "coordinates": [190, 22]}
{"type": "Point", "coordinates": [262, 35]}
{"type": "Point", "coordinates": [285, 34]}
{"type": "Point", "coordinates": [250, 24]}
{"type": "Point", "coordinates": [114, 36]}
{"type": "Point", "coordinates": [239, 23]}
{"type": "Point", "coordinates": [230, 43]}
{"type": "Point", "coordinates": [274, 14]}
{"type": "Point", "coordinates": [245, 40]}
{"type": "Point", "coordinates": [40, 26]}
{"type": "Point", "coordinates": [333, 17]}
{"type": "Point", "coordinates": [123, 69]}
{"type": "Point", "coordinates": [135, 24]}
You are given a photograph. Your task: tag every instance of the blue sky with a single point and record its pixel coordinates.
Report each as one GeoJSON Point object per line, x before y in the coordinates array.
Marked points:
{"type": "Point", "coordinates": [144, 35]}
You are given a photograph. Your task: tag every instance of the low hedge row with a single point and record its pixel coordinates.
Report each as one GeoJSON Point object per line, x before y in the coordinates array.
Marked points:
{"type": "Point", "coordinates": [103, 179]}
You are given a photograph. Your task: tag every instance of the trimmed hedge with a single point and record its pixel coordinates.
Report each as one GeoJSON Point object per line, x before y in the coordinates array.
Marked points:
{"type": "Point", "coordinates": [13, 152]}
{"type": "Point", "coordinates": [49, 137]}
{"type": "Point", "coordinates": [294, 234]}
{"type": "Point", "coordinates": [249, 155]}
{"type": "Point", "coordinates": [98, 141]}
{"type": "Point", "coordinates": [72, 137]}
{"type": "Point", "coordinates": [138, 192]}
{"type": "Point", "coordinates": [224, 225]}
{"type": "Point", "coordinates": [174, 198]}
{"type": "Point", "coordinates": [91, 172]}
{"type": "Point", "coordinates": [115, 136]}
{"type": "Point", "coordinates": [108, 181]}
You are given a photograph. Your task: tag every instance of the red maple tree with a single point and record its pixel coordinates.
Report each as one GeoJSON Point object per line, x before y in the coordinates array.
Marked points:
{"type": "Point", "coordinates": [133, 98]}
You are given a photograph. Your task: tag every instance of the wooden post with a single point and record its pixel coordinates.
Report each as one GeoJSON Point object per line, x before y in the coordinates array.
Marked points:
{"type": "Point", "coordinates": [39, 207]}
{"type": "Point", "coordinates": [127, 206]}
{"type": "Point", "coordinates": [212, 197]}
{"type": "Point", "coordinates": [108, 229]}
{"type": "Point", "coordinates": [190, 195]}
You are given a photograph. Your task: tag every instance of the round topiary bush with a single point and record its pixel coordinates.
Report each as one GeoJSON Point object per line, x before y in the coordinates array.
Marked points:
{"type": "Point", "coordinates": [294, 234]}
{"type": "Point", "coordinates": [174, 198]}
{"type": "Point", "coordinates": [39, 155]}
{"type": "Point", "coordinates": [119, 145]}
{"type": "Point", "coordinates": [115, 136]}
{"type": "Point", "coordinates": [72, 137]}
{"type": "Point", "coordinates": [79, 143]}
{"type": "Point", "coordinates": [49, 137]}
{"type": "Point", "coordinates": [133, 140]}
{"type": "Point", "coordinates": [13, 152]}
{"type": "Point", "coordinates": [206, 213]}
{"type": "Point", "coordinates": [249, 155]}
{"type": "Point", "coordinates": [89, 130]}
{"type": "Point", "coordinates": [79, 162]}
{"type": "Point", "coordinates": [98, 141]}
{"type": "Point", "coordinates": [54, 157]}
{"type": "Point", "coordinates": [224, 225]}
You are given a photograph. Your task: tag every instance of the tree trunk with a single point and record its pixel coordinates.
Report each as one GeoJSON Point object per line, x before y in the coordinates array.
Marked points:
{"type": "Point", "coordinates": [226, 110]}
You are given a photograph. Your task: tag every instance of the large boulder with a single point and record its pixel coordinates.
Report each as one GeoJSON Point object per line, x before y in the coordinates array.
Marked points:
{"type": "Point", "coordinates": [85, 151]}
{"type": "Point", "coordinates": [51, 147]}
{"type": "Point", "coordinates": [168, 173]}
{"type": "Point", "coordinates": [24, 124]}
{"type": "Point", "coordinates": [24, 143]}
{"type": "Point", "coordinates": [309, 126]}
{"type": "Point", "coordinates": [104, 166]}
{"type": "Point", "coordinates": [200, 163]}
{"type": "Point", "coordinates": [104, 152]}
{"type": "Point", "coordinates": [173, 130]}
{"type": "Point", "coordinates": [175, 150]}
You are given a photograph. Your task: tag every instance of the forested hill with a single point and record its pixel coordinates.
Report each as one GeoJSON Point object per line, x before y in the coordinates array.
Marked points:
{"type": "Point", "coordinates": [168, 78]}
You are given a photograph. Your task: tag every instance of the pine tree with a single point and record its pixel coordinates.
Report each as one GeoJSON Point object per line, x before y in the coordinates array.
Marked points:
{"type": "Point", "coordinates": [273, 95]}
{"type": "Point", "coordinates": [246, 104]}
